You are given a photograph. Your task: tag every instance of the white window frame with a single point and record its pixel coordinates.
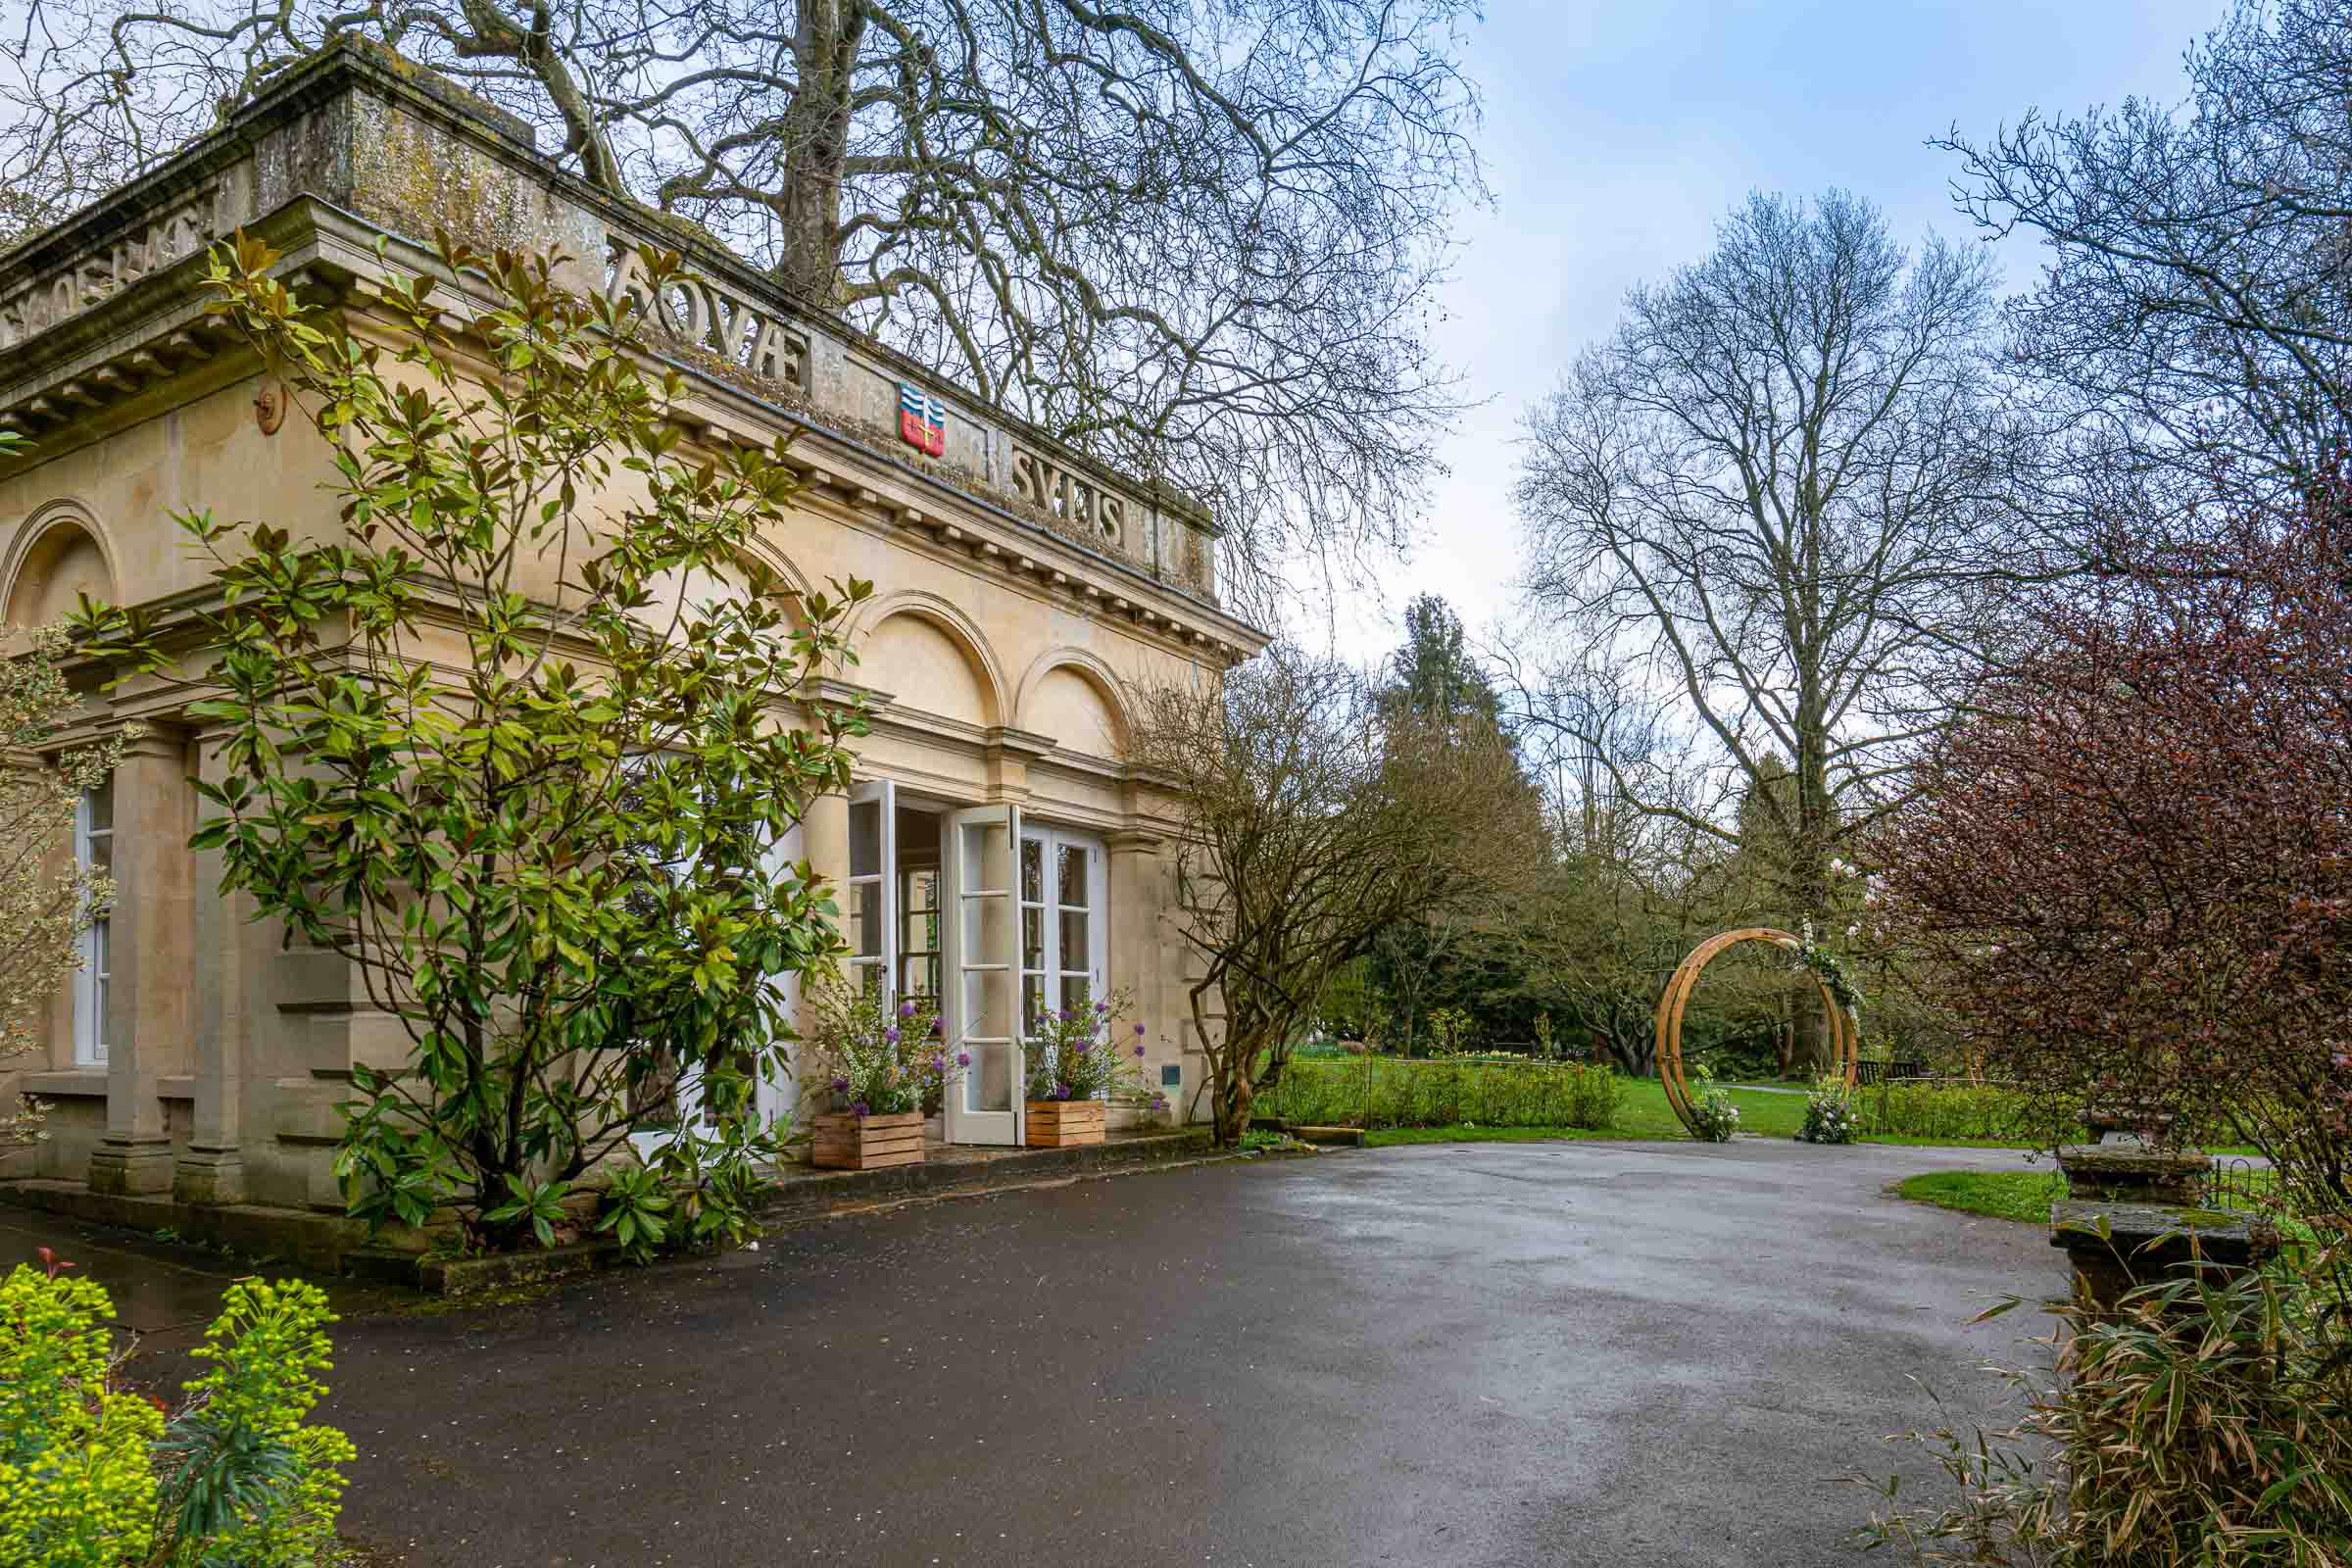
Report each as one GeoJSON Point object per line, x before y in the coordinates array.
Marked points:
{"type": "Point", "coordinates": [1096, 964]}
{"type": "Point", "coordinates": [97, 939]}
{"type": "Point", "coordinates": [878, 971]}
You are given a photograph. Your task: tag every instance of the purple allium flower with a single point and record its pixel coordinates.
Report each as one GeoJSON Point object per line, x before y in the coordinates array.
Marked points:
{"type": "Point", "coordinates": [963, 1058]}
{"type": "Point", "coordinates": [891, 1034]}
{"type": "Point", "coordinates": [1139, 1048]}
{"type": "Point", "coordinates": [1061, 1091]}
{"type": "Point", "coordinates": [906, 1010]}
{"type": "Point", "coordinates": [1085, 1045]}
{"type": "Point", "coordinates": [1139, 1028]}
{"type": "Point", "coordinates": [860, 1111]}
{"type": "Point", "coordinates": [1102, 1008]}
{"type": "Point", "coordinates": [841, 1086]}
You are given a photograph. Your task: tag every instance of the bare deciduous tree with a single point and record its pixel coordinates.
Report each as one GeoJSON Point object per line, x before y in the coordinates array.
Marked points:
{"type": "Point", "coordinates": [2195, 303]}
{"type": "Point", "coordinates": [1782, 497]}
{"type": "Point", "coordinates": [1310, 819]}
{"type": "Point", "coordinates": [1195, 240]}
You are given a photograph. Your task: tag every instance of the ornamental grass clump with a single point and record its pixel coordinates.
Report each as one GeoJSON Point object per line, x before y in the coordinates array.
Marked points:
{"type": "Point", "coordinates": [2204, 1420]}
{"type": "Point", "coordinates": [1828, 1114]}
{"type": "Point", "coordinates": [1081, 1054]}
{"type": "Point", "coordinates": [875, 1059]}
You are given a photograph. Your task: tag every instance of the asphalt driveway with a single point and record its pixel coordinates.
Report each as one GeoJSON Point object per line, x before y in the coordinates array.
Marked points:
{"type": "Point", "coordinates": [1522, 1355]}
{"type": "Point", "coordinates": [1558, 1354]}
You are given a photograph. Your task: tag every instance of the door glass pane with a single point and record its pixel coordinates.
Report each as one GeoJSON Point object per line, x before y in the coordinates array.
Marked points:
{"type": "Point", "coordinates": [865, 920]}
{"type": "Point", "coordinates": [918, 936]}
{"type": "Point", "coordinates": [1033, 1005]}
{"type": "Point", "coordinates": [1076, 994]}
{"type": "Point", "coordinates": [1071, 874]}
{"type": "Point", "coordinates": [865, 838]}
{"type": "Point", "coordinates": [1033, 939]}
{"type": "Point", "coordinates": [101, 806]}
{"type": "Point", "coordinates": [102, 975]}
{"type": "Point", "coordinates": [1033, 871]}
{"type": "Point", "coordinates": [988, 1082]}
{"type": "Point", "coordinates": [1076, 952]}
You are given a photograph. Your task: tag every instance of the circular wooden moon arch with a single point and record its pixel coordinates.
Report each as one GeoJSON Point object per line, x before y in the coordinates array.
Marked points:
{"type": "Point", "coordinates": [1845, 1043]}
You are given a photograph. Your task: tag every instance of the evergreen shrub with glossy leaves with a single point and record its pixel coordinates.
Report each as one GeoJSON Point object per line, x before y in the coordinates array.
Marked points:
{"type": "Point", "coordinates": [520, 741]}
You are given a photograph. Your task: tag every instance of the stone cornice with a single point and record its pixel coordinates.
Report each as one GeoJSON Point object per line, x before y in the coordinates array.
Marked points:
{"type": "Point", "coordinates": [354, 147]}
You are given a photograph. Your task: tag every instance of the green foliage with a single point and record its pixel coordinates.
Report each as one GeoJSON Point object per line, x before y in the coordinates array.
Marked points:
{"type": "Point", "coordinates": [1958, 1112]}
{"type": "Point", "coordinates": [518, 745]}
{"type": "Point", "coordinates": [93, 1477]}
{"type": "Point", "coordinates": [636, 1212]}
{"type": "Point", "coordinates": [872, 1059]}
{"type": "Point", "coordinates": [2206, 1421]}
{"type": "Point", "coordinates": [1387, 1092]}
{"type": "Point", "coordinates": [1830, 1116]}
{"type": "Point", "coordinates": [1448, 1028]}
{"type": "Point", "coordinates": [77, 1489]}
{"type": "Point", "coordinates": [247, 1483]}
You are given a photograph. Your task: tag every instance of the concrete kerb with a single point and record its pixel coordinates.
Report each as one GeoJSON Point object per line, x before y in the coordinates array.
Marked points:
{"type": "Point", "coordinates": [334, 1244]}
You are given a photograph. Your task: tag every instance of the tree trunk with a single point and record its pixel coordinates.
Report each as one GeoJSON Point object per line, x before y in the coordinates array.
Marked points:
{"type": "Point", "coordinates": [1233, 1106]}
{"type": "Point", "coordinates": [1816, 828]}
{"type": "Point", "coordinates": [816, 130]}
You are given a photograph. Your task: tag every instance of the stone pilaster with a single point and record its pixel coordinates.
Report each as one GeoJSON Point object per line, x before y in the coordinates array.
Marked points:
{"type": "Point", "coordinates": [152, 958]}
{"type": "Point", "coordinates": [1141, 963]}
{"type": "Point", "coordinates": [211, 1168]}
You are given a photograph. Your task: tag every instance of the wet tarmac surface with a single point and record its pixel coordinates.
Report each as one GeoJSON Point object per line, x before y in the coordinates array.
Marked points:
{"type": "Point", "coordinates": [1489, 1355]}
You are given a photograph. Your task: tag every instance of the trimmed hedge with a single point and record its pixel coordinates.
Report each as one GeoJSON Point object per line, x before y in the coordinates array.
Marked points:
{"type": "Point", "coordinates": [1967, 1112]}
{"type": "Point", "coordinates": [1439, 1093]}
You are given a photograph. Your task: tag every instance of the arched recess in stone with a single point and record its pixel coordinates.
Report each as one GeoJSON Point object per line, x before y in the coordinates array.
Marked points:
{"type": "Point", "coordinates": [59, 553]}
{"type": "Point", "coordinates": [930, 656]}
{"type": "Point", "coordinates": [1075, 697]}
{"type": "Point", "coordinates": [699, 588]}
{"type": "Point", "coordinates": [782, 565]}
{"type": "Point", "coordinates": [1846, 1041]}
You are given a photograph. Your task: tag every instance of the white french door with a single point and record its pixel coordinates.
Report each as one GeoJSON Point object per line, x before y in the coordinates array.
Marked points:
{"type": "Point", "coordinates": [1064, 877]}
{"type": "Point", "coordinates": [981, 966]}
{"type": "Point", "coordinates": [872, 915]}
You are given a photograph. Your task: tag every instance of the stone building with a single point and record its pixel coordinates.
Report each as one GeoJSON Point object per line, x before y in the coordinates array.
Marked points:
{"type": "Point", "coordinates": [1020, 588]}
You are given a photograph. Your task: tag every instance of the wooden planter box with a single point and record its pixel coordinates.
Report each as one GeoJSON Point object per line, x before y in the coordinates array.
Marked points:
{"type": "Point", "coordinates": [1064, 1123]}
{"type": "Point", "coordinates": [850, 1143]}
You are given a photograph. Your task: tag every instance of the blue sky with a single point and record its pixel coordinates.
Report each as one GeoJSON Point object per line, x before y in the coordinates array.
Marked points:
{"type": "Point", "coordinates": [1616, 134]}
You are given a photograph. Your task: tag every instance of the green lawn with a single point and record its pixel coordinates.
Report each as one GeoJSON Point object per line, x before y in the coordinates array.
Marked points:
{"type": "Point", "coordinates": [2020, 1195]}
{"type": "Point", "coordinates": [1644, 1114]}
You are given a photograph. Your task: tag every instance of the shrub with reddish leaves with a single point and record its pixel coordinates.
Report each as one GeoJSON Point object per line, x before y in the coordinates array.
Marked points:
{"type": "Point", "coordinates": [2132, 862]}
